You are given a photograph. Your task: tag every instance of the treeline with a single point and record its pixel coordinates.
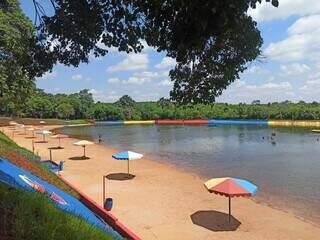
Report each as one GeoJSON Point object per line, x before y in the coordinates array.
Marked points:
{"type": "Point", "coordinates": [82, 106]}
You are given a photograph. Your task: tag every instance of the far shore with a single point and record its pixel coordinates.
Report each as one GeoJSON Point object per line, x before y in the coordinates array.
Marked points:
{"type": "Point", "coordinates": [163, 202]}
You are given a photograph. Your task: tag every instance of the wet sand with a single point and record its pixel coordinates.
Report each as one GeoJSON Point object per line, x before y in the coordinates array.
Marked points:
{"type": "Point", "coordinates": [162, 202]}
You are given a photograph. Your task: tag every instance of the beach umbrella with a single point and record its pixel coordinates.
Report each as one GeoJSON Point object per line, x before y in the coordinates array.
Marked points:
{"type": "Point", "coordinates": [231, 187]}
{"type": "Point", "coordinates": [19, 126]}
{"type": "Point", "coordinates": [83, 143]}
{"type": "Point", "coordinates": [43, 133]}
{"type": "Point", "coordinates": [31, 129]}
{"type": "Point", "coordinates": [127, 156]}
{"type": "Point", "coordinates": [42, 122]}
{"type": "Point", "coordinates": [59, 136]}
{"type": "Point", "coordinates": [12, 123]}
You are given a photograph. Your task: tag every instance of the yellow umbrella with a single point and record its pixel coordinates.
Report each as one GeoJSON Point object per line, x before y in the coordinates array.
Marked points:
{"type": "Point", "coordinates": [83, 143]}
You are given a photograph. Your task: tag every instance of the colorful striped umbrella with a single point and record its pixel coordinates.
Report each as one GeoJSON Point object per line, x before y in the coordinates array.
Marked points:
{"type": "Point", "coordinates": [231, 187]}
{"type": "Point", "coordinates": [127, 156]}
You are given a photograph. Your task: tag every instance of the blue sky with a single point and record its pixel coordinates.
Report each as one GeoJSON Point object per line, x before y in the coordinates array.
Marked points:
{"type": "Point", "coordinates": [289, 71]}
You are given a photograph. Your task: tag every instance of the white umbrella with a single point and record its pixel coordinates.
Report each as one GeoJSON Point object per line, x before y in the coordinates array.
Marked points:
{"type": "Point", "coordinates": [83, 143]}
{"type": "Point", "coordinates": [12, 123]}
{"type": "Point", "coordinates": [43, 133]}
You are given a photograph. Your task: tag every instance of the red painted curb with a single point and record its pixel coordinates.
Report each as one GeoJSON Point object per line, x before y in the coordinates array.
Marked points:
{"type": "Point", "coordinates": [102, 213]}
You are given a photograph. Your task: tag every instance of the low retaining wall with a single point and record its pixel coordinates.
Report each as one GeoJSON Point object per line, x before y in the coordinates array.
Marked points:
{"type": "Point", "coordinates": [110, 123]}
{"type": "Point", "coordinates": [294, 123]}
{"type": "Point", "coordinates": [238, 122]}
{"type": "Point", "coordinates": [146, 122]}
{"type": "Point", "coordinates": [275, 123]}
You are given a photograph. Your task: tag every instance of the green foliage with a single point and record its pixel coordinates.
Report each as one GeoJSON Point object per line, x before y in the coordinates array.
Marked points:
{"type": "Point", "coordinates": [212, 41]}
{"type": "Point", "coordinates": [22, 58]}
{"type": "Point", "coordinates": [28, 215]}
{"type": "Point", "coordinates": [65, 110]}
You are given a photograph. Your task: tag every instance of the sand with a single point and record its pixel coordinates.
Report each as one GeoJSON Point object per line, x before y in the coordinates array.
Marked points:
{"type": "Point", "coordinates": [162, 202]}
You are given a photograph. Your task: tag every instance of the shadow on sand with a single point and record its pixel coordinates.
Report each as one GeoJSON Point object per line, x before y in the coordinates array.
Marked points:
{"type": "Point", "coordinates": [120, 176]}
{"type": "Point", "coordinates": [41, 142]}
{"type": "Point", "coordinates": [30, 137]}
{"type": "Point", "coordinates": [215, 221]}
{"type": "Point", "coordinates": [79, 158]}
{"type": "Point", "coordinates": [55, 148]}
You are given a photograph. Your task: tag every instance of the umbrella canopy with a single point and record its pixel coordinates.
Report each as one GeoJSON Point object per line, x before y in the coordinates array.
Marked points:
{"type": "Point", "coordinates": [83, 143]}
{"type": "Point", "coordinates": [43, 133]}
{"type": "Point", "coordinates": [12, 123]}
{"type": "Point", "coordinates": [59, 136]}
{"type": "Point", "coordinates": [231, 187]}
{"type": "Point", "coordinates": [127, 156]}
{"type": "Point", "coordinates": [19, 126]}
{"type": "Point", "coordinates": [42, 122]}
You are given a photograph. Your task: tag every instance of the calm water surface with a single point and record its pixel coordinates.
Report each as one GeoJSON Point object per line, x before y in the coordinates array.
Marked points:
{"type": "Point", "coordinates": [287, 171]}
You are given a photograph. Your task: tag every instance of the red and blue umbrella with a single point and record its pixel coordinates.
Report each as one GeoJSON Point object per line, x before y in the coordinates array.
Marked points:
{"type": "Point", "coordinates": [231, 187]}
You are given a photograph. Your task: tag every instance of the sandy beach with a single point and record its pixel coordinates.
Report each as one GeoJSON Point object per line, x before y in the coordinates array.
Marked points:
{"type": "Point", "coordinates": [162, 202]}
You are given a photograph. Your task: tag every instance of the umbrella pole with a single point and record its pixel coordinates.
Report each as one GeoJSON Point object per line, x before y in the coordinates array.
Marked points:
{"type": "Point", "coordinates": [59, 143]}
{"type": "Point", "coordinates": [128, 166]}
{"type": "Point", "coordinates": [84, 151]}
{"type": "Point", "coordinates": [229, 209]}
{"type": "Point", "coordinates": [44, 138]}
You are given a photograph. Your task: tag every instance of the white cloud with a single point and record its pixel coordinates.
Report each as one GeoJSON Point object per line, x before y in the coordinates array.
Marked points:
{"type": "Point", "coordinates": [104, 96]}
{"type": "Point", "coordinates": [303, 42]}
{"type": "Point", "coordinates": [146, 74]}
{"type": "Point", "coordinates": [266, 12]}
{"type": "Point", "coordinates": [77, 77]}
{"type": "Point", "coordinates": [49, 75]}
{"type": "Point", "coordinates": [305, 25]}
{"type": "Point", "coordinates": [166, 62]}
{"type": "Point", "coordinates": [241, 91]}
{"type": "Point", "coordinates": [294, 69]}
{"type": "Point", "coordinates": [131, 62]}
{"type": "Point", "coordinates": [113, 80]}
{"type": "Point", "coordinates": [137, 80]}
{"type": "Point", "coordinates": [165, 83]}
{"type": "Point", "coordinates": [256, 70]}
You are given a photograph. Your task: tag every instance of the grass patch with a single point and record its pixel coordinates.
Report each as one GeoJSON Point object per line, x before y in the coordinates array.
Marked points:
{"type": "Point", "coordinates": [4, 121]}
{"type": "Point", "coordinates": [31, 215]}
{"type": "Point", "coordinates": [26, 160]}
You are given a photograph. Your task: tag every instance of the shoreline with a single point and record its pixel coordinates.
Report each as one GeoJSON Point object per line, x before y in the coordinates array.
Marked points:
{"type": "Point", "coordinates": [148, 174]}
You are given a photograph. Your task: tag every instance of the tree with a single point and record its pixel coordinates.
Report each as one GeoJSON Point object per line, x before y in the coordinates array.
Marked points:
{"type": "Point", "coordinates": [39, 107]}
{"type": "Point", "coordinates": [22, 57]}
{"type": "Point", "coordinates": [212, 41]}
{"type": "Point", "coordinates": [65, 110]}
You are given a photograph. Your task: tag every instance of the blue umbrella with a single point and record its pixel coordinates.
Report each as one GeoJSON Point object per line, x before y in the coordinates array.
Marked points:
{"type": "Point", "coordinates": [128, 155]}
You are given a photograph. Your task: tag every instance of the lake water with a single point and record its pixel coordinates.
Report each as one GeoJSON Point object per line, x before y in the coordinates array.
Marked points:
{"type": "Point", "coordinates": [287, 171]}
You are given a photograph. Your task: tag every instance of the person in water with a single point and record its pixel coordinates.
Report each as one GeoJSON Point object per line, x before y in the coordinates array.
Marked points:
{"type": "Point", "coordinates": [99, 139]}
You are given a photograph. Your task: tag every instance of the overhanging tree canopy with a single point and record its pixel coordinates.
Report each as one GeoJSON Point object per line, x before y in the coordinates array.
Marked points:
{"type": "Point", "coordinates": [212, 41]}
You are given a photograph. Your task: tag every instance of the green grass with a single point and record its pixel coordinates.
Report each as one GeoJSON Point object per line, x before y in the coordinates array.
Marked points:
{"type": "Point", "coordinates": [27, 160]}
{"type": "Point", "coordinates": [36, 121]}
{"type": "Point", "coordinates": [29, 215]}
